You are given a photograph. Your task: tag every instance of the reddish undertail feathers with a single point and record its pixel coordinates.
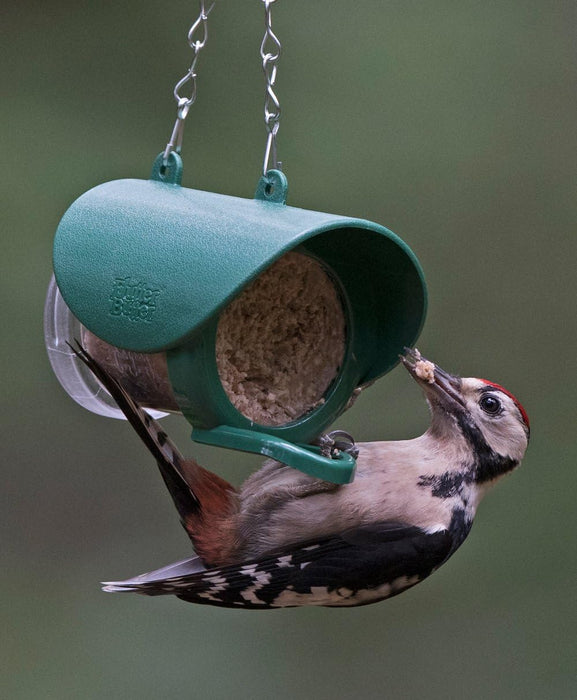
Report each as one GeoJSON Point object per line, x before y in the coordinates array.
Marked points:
{"type": "Point", "coordinates": [286, 539]}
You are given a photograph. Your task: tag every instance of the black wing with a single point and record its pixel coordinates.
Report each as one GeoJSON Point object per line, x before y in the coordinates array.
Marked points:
{"type": "Point", "coordinates": [357, 567]}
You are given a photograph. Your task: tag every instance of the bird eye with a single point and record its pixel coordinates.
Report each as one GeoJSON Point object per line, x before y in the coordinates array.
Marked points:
{"type": "Point", "coordinates": [490, 405]}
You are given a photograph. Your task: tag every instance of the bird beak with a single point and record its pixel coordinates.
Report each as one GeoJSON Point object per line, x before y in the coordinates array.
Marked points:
{"type": "Point", "coordinates": [439, 386]}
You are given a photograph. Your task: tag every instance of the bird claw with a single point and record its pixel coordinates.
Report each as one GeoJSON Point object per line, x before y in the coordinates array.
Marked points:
{"type": "Point", "coordinates": [337, 441]}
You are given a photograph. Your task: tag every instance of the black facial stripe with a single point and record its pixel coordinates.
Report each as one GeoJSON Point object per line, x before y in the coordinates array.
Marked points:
{"type": "Point", "coordinates": [446, 485]}
{"type": "Point", "coordinates": [489, 464]}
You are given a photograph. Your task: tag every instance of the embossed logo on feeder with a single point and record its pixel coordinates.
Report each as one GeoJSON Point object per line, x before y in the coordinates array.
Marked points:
{"type": "Point", "coordinates": [133, 298]}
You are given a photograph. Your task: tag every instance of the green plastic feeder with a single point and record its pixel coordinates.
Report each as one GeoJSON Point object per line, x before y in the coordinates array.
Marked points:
{"type": "Point", "coordinates": [186, 254]}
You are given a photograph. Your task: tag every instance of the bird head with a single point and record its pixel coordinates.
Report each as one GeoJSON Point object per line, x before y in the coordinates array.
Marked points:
{"type": "Point", "coordinates": [491, 420]}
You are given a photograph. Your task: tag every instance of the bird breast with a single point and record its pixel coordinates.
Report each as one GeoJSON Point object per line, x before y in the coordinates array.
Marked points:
{"type": "Point", "coordinates": [280, 506]}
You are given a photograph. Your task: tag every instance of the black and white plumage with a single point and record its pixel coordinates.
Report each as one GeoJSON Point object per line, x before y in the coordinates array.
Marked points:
{"type": "Point", "coordinates": [286, 539]}
{"type": "Point", "coordinates": [356, 567]}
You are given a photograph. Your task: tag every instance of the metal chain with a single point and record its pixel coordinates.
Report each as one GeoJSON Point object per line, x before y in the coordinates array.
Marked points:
{"type": "Point", "coordinates": [270, 53]}
{"type": "Point", "coordinates": [197, 37]}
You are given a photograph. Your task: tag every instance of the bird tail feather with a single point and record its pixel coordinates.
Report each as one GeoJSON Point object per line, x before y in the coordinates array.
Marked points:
{"type": "Point", "coordinates": [203, 500]}
{"type": "Point", "coordinates": [186, 567]}
{"type": "Point", "coordinates": [165, 452]}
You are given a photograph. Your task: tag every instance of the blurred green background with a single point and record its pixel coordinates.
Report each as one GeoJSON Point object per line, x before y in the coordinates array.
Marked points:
{"type": "Point", "coordinates": [452, 123]}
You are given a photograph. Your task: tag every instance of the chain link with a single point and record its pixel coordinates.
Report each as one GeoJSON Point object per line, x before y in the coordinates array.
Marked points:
{"type": "Point", "coordinates": [270, 50]}
{"type": "Point", "coordinates": [197, 38]}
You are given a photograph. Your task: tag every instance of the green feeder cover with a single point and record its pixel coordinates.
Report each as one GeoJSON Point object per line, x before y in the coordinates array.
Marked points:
{"type": "Point", "coordinates": [145, 265]}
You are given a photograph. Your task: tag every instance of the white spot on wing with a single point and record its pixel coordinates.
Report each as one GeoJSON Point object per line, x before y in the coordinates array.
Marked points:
{"type": "Point", "coordinates": [209, 596]}
{"type": "Point", "coordinates": [262, 578]}
{"type": "Point", "coordinates": [284, 561]}
{"type": "Point", "coordinates": [320, 595]}
{"type": "Point", "coordinates": [248, 569]}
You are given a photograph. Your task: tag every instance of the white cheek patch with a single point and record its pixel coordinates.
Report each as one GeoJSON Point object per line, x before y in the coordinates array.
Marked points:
{"type": "Point", "coordinates": [505, 436]}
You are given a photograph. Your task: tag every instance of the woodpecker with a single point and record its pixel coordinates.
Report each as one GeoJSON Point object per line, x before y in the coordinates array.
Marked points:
{"type": "Point", "coordinates": [286, 539]}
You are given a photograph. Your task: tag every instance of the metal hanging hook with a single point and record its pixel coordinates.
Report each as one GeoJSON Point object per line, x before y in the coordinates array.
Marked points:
{"type": "Point", "coordinates": [198, 29]}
